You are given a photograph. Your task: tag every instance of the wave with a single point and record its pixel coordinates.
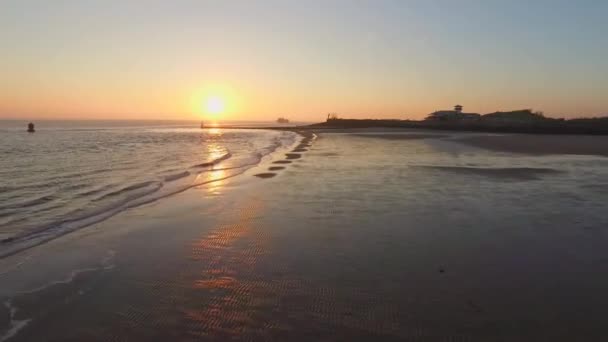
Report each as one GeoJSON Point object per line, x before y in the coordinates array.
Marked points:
{"type": "Point", "coordinates": [83, 173]}
{"type": "Point", "coordinates": [97, 205]}
{"type": "Point", "coordinates": [127, 189]}
{"type": "Point", "coordinates": [30, 203]}
{"type": "Point", "coordinates": [56, 179]}
{"type": "Point", "coordinates": [176, 176]}
{"type": "Point", "coordinates": [15, 244]}
{"type": "Point", "coordinates": [214, 161]}
{"type": "Point", "coordinates": [95, 191]}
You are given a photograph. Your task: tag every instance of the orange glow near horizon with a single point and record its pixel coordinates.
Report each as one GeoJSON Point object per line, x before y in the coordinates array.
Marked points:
{"type": "Point", "coordinates": [379, 60]}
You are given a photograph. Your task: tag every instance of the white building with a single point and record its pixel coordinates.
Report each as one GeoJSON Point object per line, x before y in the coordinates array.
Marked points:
{"type": "Point", "coordinates": [452, 115]}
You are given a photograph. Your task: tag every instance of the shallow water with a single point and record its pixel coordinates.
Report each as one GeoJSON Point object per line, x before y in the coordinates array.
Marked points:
{"type": "Point", "coordinates": [71, 174]}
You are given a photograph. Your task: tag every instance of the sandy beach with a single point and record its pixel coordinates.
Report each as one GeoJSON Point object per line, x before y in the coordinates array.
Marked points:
{"type": "Point", "coordinates": [542, 144]}
{"type": "Point", "coordinates": [345, 237]}
{"type": "Point", "coordinates": [535, 144]}
{"type": "Point", "coordinates": [303, 171]}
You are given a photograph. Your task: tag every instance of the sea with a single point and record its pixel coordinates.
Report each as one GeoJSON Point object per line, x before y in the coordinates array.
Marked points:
{"type": "Point", "coordinates": [71, 174]}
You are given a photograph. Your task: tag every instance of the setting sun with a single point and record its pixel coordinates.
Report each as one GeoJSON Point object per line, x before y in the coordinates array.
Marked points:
{"type": "Point", "coordinates": [214, 105]}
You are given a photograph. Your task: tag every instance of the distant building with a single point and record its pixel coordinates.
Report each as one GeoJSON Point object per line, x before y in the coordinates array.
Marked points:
{"type": "Point", "coordinates": [452, 115]}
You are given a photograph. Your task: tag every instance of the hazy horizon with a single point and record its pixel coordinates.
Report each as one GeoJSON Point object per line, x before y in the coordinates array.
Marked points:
{"type": "Point", "coordinates": [255, 61]}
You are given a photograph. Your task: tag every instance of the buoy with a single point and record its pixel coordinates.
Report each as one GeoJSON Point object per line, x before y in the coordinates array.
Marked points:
{"type": "Point", "coordinates": [30, 128]}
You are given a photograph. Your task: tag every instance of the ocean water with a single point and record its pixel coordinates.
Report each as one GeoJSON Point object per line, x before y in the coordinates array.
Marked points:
{"type": "Point", "coordinates": [70, 174]}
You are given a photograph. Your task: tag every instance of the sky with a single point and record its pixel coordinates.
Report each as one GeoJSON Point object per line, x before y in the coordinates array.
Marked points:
{"type": "Point", "coordinates": [258, 60]}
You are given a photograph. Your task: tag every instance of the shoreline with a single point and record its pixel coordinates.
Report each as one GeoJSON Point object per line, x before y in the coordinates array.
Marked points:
{"type": "Point", "coordinates": [532, 125]}
{"type": "Point", "coordinates": [93, 263]}
{"type": "Point", "coordinates": [17, 244]}
{"type": "Point", "coordinates": [522, 143]}
{"type": "Point", "coordinates": [361, 237]}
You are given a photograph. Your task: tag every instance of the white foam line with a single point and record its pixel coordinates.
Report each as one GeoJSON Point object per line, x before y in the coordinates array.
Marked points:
{"type": "Point", "coordinates": [105, 265]}
{"type": "Point", "coordinates": [14, 325]}
{"type": "Point", "coordinates": [17, 325]}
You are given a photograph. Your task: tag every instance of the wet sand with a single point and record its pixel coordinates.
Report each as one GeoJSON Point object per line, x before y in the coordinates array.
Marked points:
{"type": "Point", "coordinates": [400, 136]}
{"type": "Point", "coordinates": [334, 251]}
{"type": "Point", "coordinates": [533, 144]}
{"type": "Point", "coordinates": [541, 144]}
{"type": "Point", "coordinates": [517, 173]}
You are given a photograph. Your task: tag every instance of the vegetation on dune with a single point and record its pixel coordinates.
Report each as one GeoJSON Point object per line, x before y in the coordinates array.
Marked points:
{"type": "Point", "coordinates": [518, 121]}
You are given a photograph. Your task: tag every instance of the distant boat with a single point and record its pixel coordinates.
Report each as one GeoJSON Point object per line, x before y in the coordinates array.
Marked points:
{"type": "Point", "coordinates": [282, 120]}
{"type": "Point", "coordinates": [30, 128]}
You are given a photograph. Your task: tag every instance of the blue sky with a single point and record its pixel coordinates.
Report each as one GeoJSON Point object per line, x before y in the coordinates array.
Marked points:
{"type": "Point", "coordinates": [157, 59]}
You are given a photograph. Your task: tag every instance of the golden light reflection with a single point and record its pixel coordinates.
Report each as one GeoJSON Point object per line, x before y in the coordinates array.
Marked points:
{"type": "Point", "coordinates": [212, 177]}
{"type": "Point", "coordinates": [228, 258]}
{"type": "Point", "coordinates": [217, 181]}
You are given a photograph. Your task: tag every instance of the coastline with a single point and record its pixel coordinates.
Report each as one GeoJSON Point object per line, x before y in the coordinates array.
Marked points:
{"type": "Point", "coordinates": [366, 235]}
{"type": "Point", "coordinates": [542, 144]}
{"type": "Point", "coordinates": [220, 168]}
{"type": "Point", "coordinates": [522, 143]}
{"type": "Point", "coordinates": [58, 267]}
{"type": "Point", "coordinates": [532, 125]}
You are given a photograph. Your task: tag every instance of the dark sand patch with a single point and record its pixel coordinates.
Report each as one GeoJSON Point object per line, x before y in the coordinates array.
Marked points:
{"type": "Point", "coordinates": [601, 188]}
{"type": "Point", "coordinates": [519, 173]}
{"type": "Point", "coordinates": [408, 136]}
{"type": "Point", "coordinates": [266, 175]}
{"type": "Point", "coordinates": [541, 144]}
{"type": "Point", "coordinates": [276, 168]}
{"type": "Point", "coordinates": [293, 155]}
{"type": "Point", "coordinates": [282, 162]}
{"type": "Point", "coordinates": [5, 318]}
{"type": "Point", "coordinates": [299, 150]}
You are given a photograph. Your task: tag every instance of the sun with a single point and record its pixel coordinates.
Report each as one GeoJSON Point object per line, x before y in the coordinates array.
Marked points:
{"type": "Point", "coordinates": [214, 105]}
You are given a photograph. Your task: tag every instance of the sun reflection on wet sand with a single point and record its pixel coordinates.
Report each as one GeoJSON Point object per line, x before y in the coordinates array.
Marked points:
{"type": "Point", "coordinates": [216, 283]}
{"type": "Point", "coordinates": [216, 179]}
{"type": "Point", "coordinates": [226, 255]}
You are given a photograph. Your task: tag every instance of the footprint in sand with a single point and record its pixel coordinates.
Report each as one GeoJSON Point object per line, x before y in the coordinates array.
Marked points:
{"type": "Point", "coordinates": [266, 175]}
{"type": "Point", "coordinates": [282, 162]}
{"type": "Point", "coordinates": [293, 155]}
{"type": "Point", "coordinates": [299, 150]}
{"type": "Point", "coordinates": [276, 168]}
